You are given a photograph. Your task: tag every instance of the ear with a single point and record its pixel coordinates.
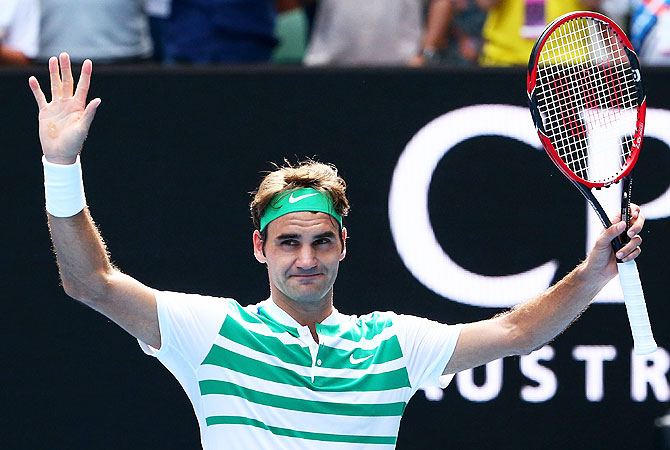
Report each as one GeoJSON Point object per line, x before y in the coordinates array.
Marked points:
{"type": "Point", "coordinates": [344, 244]}
{"type": "Point", "coordinates": [258, 247]}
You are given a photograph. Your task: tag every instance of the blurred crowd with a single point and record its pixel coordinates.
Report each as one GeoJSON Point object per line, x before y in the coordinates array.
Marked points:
{"type": "Point", "coordinates": [309, 32]}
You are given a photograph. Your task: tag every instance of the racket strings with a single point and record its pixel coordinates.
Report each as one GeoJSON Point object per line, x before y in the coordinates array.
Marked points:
{"type": "Point", "coordinates": [585, 90]}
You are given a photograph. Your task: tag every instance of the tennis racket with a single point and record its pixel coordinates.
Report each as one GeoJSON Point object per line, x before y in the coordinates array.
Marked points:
{"type": "Point", "coordinates": [588, 105]}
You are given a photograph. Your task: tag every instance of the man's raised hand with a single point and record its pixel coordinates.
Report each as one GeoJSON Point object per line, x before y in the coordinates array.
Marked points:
{"type": "Point", "coordinates": [64, 122]}
{"type": "Point", "coordinates": [600, 258]}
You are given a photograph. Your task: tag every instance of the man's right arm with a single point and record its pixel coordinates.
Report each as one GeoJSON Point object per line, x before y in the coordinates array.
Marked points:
{"type": "Point", "coordinates": [85, 269]}
{"type": "Point", "coordinates": [88, 276]}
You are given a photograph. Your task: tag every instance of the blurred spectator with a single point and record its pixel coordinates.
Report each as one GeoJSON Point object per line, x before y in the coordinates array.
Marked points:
{"type": "Point", "coordinates": [157, 12]}
{"type": "Point", "coordinates": [158, 8]}
{"type": "Point", "coordinates": [512, 26]}
{"type": "Point", "coordinates": [464, 35]}
{"type": "Point", "coordinates": [387, 32]}
{"type": "Point", "coordinates": [650, 31]}
{"type": "Point", "coordinates": [617, 10]}
{"type": "Point", "coordinates": [106, 31]}
{"type": "Point", "coordinates": [19, 31]}
{"type": "Point", "coordinates": [291, 30]}
{"type": "Point", "coordinates": [219, 31]}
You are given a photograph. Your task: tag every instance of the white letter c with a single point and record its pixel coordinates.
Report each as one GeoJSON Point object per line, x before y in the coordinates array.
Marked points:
{"type": "Point", "coordinates": [410, 221]}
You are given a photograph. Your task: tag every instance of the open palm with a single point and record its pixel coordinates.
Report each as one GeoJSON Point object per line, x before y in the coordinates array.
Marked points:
{"type": "Point", "coordinates": [64, 122]}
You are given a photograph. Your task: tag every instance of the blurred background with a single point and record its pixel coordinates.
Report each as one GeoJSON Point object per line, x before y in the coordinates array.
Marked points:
{"type": "Point", "coordinates": [201, 96]}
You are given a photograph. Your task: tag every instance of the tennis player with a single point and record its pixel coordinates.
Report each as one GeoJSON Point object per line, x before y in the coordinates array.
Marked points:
{"type": "Point", "coordinates": [290, 372]}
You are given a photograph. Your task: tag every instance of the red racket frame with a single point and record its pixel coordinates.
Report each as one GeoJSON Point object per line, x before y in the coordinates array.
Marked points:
{"type": "Point", "coordinates": [532, 81]}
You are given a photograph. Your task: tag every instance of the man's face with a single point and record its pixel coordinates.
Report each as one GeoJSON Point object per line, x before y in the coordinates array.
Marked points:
{"type": "Point", "coordinates": [303, 252]}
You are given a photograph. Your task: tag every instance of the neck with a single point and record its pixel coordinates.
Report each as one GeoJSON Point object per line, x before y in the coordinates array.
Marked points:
{"type": "Point", "coordinates": [305, 313]}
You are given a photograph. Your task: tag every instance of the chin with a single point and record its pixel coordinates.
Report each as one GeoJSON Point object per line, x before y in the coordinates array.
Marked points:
{"type": "Point", "coordinates": [307, 298]}
{"type": "Point", "coordinates": [300, 296]}
{"type": "Point", "coordinates": [305, 293]}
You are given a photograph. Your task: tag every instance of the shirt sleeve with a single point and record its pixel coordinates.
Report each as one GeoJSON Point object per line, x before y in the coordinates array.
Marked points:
{"type": "Point", "coordinates": [427, 347]}
{"type": "Point", "coordinates": [188, 325]}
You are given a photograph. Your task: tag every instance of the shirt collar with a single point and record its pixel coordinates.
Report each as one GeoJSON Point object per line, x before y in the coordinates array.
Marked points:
{"type": "Point", "coordinates": [271, 309]}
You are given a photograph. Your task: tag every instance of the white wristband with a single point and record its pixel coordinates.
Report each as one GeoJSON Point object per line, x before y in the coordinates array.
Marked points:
{"type": "Point", "coordinates": [63, 188]}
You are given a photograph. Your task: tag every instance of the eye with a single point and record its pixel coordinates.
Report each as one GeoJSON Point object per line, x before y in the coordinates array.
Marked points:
{"type": "Point", "coordinates": [322, 241]}
{"type": "Point", "coordinates": [289, 242]}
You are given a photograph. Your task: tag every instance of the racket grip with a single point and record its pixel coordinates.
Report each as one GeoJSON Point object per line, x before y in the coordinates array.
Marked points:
{"type": "Point", "coordinates": [643, 339]}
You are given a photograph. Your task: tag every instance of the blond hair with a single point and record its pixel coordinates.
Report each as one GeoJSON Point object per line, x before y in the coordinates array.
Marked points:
{"type": "Point", "coordinates": [306, 174]}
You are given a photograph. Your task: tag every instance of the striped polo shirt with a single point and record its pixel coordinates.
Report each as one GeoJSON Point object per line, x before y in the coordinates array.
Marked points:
{"type": "Point", "coordinates": [257, 379]}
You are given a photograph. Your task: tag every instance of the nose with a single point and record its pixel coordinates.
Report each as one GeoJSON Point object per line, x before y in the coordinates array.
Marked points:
{"type": "Point", "coordinates": [306, 258]}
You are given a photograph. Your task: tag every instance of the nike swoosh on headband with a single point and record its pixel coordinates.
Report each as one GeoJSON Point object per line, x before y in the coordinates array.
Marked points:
{"type": "Point", "coordinates": [303, 199]}
{"type": "Point", "coordinates": [293, 199]}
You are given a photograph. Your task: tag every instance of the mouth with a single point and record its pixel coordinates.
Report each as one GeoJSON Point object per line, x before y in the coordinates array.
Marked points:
{"type": "Point", "coordinates": [306, 277]}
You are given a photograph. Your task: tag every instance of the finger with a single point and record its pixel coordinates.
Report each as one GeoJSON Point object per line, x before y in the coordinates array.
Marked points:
{"type": "Point", "coordinates": [616, 217]}
{"type": "Point", "coordinates": [55, 78]}
{"type": "Point", "coordinates": [608, 234]}
{"type": "Point", "coordinates": [66, 75]}
{"type": "Point", "coordinates": [84, 81]}
{"type": "Point", "coordinates": [37, 92]}
{"type": "Point", "coordinates": [635, 210]}
{"type": "Point", "coordinates": [632, 255]}
{"type": "Point", "coordinates": [89, 112]}
{"type": "Point", "coordinates": [629, 248]}
{"type": "Point", "coordinates": [637, 225]}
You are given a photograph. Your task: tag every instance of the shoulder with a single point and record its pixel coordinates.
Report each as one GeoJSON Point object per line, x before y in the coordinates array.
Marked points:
{"type": "Point", "coordinates": [190, 297]}
{"type": "Point", "coordinates": [367, 327]}
{"type": "Point", "coordinates": [194, 302]}
{"type": "Point", "coordinates": [377, 318]}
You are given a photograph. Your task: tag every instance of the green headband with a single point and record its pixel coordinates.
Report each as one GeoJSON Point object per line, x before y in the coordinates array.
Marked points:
{"type": "Point", "coordinates": [305, 199]}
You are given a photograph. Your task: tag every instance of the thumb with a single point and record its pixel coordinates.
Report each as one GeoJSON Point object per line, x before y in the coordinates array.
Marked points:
{"type": "Point", "coordinates": [89, 112]}
{"type": "Point", "coordinates": [610, 233]}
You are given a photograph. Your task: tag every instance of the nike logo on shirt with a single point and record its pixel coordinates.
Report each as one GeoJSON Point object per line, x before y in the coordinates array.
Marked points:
{"type": "Point", "coordinates": [355, 361]}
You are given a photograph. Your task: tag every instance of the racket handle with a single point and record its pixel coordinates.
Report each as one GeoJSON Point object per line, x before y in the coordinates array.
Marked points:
{"type": "Point", "coordinates": [643, 339]}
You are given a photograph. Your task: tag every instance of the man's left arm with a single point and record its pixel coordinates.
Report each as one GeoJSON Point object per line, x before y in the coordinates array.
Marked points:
{"type": "Point", "coordinates": [532, 324]}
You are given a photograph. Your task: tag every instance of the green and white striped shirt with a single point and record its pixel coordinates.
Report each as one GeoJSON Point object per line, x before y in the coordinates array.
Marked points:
{"type": "Point", "coordinates": [257, 379]}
